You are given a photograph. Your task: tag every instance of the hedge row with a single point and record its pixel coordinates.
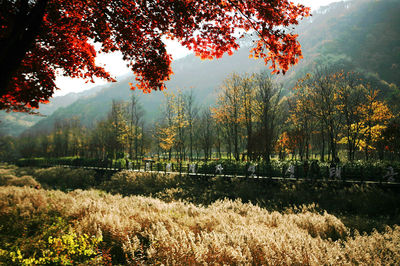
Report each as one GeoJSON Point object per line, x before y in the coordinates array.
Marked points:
{"type": "Point", "coordinates": [359, 170]}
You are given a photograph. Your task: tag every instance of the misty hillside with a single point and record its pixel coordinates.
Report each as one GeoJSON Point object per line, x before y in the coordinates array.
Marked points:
{"type": "Point", "coordinates": [203, 77]}
{"type": "Point", "coordinates": [13, 123]}
{"type": "Point", "coordinates": [363, 35]}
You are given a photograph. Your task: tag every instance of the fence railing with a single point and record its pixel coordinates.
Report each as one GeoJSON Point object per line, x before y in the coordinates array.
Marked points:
{"type": "Point", "coordinates": [286, 170]}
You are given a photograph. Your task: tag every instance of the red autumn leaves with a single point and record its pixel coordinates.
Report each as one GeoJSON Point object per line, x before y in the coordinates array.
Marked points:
{"type": "Point", "coordinates": [64, 41]}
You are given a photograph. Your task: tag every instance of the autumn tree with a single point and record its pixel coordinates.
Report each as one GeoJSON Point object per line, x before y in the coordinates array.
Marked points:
{"type": "Point", "coordinates": [205, 133]}
{"type": "Point", "coordinates": [41, 38]}
{"type": "Point", "coordinates": [120, 133]}
{"type": "Point", "coordinates": [99, 140]}
{"type": "Point", "coordinates": [286, 144]}
{"type": "Point", "coordinates": [350, 95]}
{"type": "Point", "coordinates": [375, 115]}
{"type": "Point", "coordinates": [119, 128]}
{"type": "Point", "coordinates": [26, 147]}
{"type": "Point", "coordinates": [76, 138]}
{"type": "Point", "coordinates": [166, 132]}
{"type": "Point", "coordinates": [180, 122]}
{"type": "Point", "coordinates": [191, 112]}
{"type": "Point", "coordinates": [268, 103]}
{"type": "Point", "coordinates": [248, 111]}
{"type": "Point", "coordinates": [8, 149]}
{"type": "Point", "coordinates": [319, 90]}
{"type": "Point", "coordinates": [110, 137]}
{"type": "Point", "coordinates": [301, 124]}
{"type": "Point", "coordinates": [343, 105]}
{"type": "Point", "coordinates": [67, 138]}
{"type": "Point", "coordinates": [391, 138]}
{"type": "Point", "coordinates": [229, 112]}
{"type": "Point", "coordinates": [135, 116]}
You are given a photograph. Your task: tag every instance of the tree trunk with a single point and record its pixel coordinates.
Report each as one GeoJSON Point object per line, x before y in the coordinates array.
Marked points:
{"type": "Point", "coordinates": [322, 157]}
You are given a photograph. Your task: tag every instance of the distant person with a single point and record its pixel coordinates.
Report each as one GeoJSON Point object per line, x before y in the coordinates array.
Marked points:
{"type": "Point", "coordinates": [332, 170]}
{"type": "Point", "coordinates": [338, 173]}
{"type": "Point", "coordinates": [218, 169]}
{"type": "Point", "coordinates": [252, 170]}
{"type": "Point", "coordinates": [168, 167]}
{"type": "Point", "coordinates": [290, 171]}
{"type": "Point", "coordinates": [390, 174]}
{"type": "Point", "coordinates": [192, 168]}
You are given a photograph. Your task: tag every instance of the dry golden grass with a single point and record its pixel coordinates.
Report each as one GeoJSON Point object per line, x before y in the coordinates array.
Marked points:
{"type": "Point", "coordinates": [13, 176]}
{"type": "Point", "coordinates": [141, 229]}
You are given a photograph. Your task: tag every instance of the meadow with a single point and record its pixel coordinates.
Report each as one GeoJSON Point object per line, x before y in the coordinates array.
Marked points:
{"type": "Point", "coordinates": [139, 218]}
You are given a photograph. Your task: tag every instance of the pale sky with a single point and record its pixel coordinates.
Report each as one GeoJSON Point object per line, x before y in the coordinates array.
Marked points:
{"type": "Point", "coordinates": [117, 67]}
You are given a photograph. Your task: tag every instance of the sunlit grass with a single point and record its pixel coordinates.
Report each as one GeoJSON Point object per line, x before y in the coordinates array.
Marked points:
{"type": "Point", "coordinates": [142, 229]}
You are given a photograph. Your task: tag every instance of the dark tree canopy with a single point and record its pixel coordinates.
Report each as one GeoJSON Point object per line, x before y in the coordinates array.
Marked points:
{"type": "Point", "coordinates": [41, 38]}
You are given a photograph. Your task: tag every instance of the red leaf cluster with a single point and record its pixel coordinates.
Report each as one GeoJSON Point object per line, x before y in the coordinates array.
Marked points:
{"type": "Point", "coordinates": [64, 42]}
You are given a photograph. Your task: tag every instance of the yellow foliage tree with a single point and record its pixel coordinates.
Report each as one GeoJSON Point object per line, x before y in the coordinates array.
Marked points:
{"type": "Point", "coordinates": [375, 117]}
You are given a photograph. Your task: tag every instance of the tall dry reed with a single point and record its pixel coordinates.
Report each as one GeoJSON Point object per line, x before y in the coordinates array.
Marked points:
{"type": "Point", "coordinates": [140, 229]}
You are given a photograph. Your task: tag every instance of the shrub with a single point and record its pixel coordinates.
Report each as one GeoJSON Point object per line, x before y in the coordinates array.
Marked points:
{"type": "Point", "coordinates": [65, 178]}
{"type": "Point", "coordinates": [21, 181]}
{"type": "Point", "coordinates": [11, 176]}
{"type": "Point", "coordinates": [34, 235]}
{"type": "Point", "coordinates": [67, 249]}
{"type": "Point", "coordinates": [140, 183]}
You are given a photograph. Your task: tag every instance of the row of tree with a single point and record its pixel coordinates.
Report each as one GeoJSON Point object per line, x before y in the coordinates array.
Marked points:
{"type": "Point", "coordinates": [254, 119]}
{"type": "Point", "coordinates": [119, 134]}
{"type": "Point", "coordinates": [339, 108]}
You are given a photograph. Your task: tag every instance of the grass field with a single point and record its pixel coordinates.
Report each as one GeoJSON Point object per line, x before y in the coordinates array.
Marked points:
{"type": "Point", "coordinates": [43, 225]}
